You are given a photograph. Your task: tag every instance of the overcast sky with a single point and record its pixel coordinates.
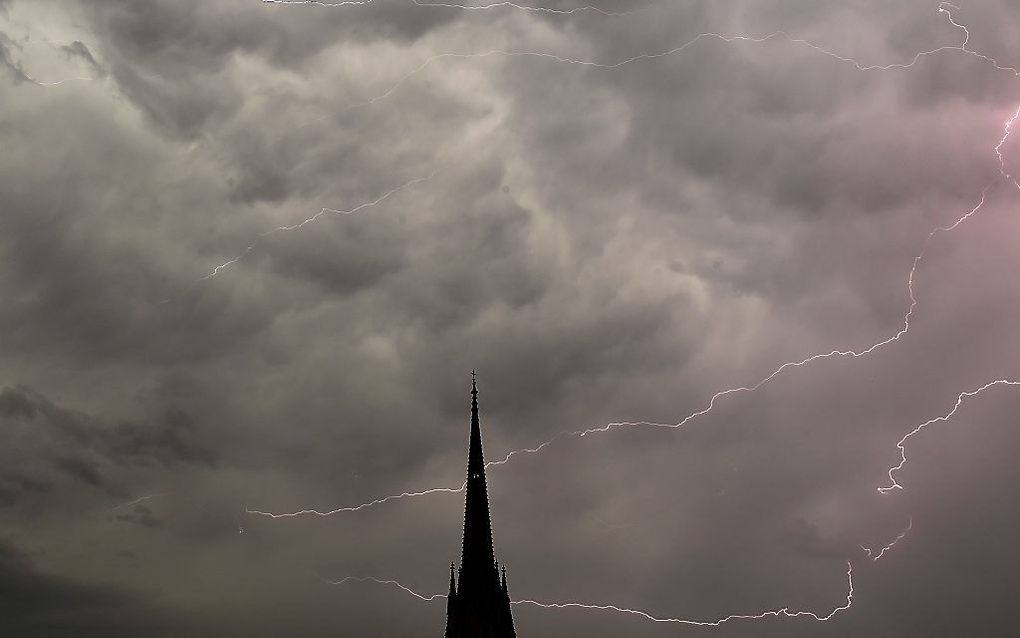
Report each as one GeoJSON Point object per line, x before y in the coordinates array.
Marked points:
{"type": "Point", "coordinates": [250, 252]}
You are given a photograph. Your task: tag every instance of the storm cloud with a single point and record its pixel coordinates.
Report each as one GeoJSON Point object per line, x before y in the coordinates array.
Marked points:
{"type": "Point", "coordinates": [251, 252]}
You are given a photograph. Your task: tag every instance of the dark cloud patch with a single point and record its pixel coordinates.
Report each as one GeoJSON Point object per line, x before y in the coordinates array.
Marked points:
{"type": "Point", "coordinates": [141, 515]}
{"type": "Point", "coordinates": [56, 444]}
{"type": "Point", "coordinates": [36, 603]}
{"type": "Point", "coordinates": [77, 49]}
{"type": "Point", "coordinates": [80, 469]}
{"type": "Point", "coordinates": [14, 484]}
{"type": "Point", "coordinates": [7, 61]}
{"type": "Point", "coordinates": [174, 58]}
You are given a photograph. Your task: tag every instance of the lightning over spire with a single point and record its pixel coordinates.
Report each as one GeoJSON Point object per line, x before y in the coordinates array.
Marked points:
{"type": "Point", "coordinates": [785, 612]}
{"type": "Point", "coordinates": [788, 365]}
{"type": "Point", "coordinates": [963, 48]}
{"type": "Point", "coordinates": [690, 417]}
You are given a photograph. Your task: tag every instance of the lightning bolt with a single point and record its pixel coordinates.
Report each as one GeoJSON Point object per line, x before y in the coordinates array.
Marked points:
{"type": "Point", "coordinates": [998, 149]}
{"type": "Point", "coordinates": [893, 485]}
{"type": "Point", "coordinates": [324, 211]}
{"type": "Point", "coordinates": [140, 499]}
{"type": "Point", "coordinates": [385, 581]}
{"type": "Point", "coordinates": [1008, 128]}
{"type": "Point", "coordinates": [58, 82]}
{"type": "Point", "coordinates": [944, 8]}
{"type": "Point", "coordinates": [344, 3]}
{"type": "Point", "coordinates": [464, 7]}
{"type": "Point", "coordinates": [521, 7]}
{"type": "Point", "coordinates": [877, 555]}
{"type": "Point", "coordinates": [687, 419]}
{"type": "Point", "coordinates": [774, 613]}
{"type": "Point", "coordinates": [355, 508]}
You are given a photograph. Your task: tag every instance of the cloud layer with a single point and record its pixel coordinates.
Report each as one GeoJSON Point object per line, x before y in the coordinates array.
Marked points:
{"type": "Point", "coordinates": [610, 217]}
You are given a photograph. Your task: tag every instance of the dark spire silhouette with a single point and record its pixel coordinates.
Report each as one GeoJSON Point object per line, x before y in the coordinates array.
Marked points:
{"type": "Point", "coordinates": [479, 604]}
{"type": "Point", "coordinates": [477, 554]}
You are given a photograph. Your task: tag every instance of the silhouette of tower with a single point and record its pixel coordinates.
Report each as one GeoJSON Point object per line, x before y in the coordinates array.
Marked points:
{"type": "Point", "coordinates": [479, 603]}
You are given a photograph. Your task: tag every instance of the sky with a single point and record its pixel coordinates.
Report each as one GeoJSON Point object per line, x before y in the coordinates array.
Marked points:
{"type": "Point", "coordinates": [251, 252]}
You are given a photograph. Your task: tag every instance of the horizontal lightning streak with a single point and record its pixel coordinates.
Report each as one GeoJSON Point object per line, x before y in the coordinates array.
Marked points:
{"type": "Point", "coordinates": [893, 485]}
{"type": "Point", "coordinates": [522, 7]}
{"type": "Point", "coordinates": [775, 613]}
{"type": "Point", "coordinates": [343, 3]}
{"type": "Point", "coordinates": [59, 82]}
{"type": "Point", "coordinates": [386, 581]}
{"type": "Point", "coordinates": [324, 211]}
{"type": "Point", "coordinates": [728, 39]}
{"type": "Point", "coordinates": [355, 508]}
{"type": "Point", "coordinates": [464, 7]}
{"type": "Point", "coordinates": [140, 499]}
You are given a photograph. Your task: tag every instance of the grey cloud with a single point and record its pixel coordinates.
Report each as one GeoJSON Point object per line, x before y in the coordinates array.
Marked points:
{"type": "Point", "coordinates": [40, 604]}
{"type": "Point", "coordinates": [54, 442]}
{"type": "Point", "coordinates": [143, 516]}
{"type": "Point", "coordinates": [78, 49]}
{"type": "Point", "coordinates": [601, 244]}
{"type": "Point", "coordinates": [7, 61]}
{"type": "Point", "coordinates": [80, 469]}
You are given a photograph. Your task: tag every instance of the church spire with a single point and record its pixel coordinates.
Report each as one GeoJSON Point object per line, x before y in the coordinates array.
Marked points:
{"type": "Point", "coordinates": [477, 557]}
{"type": "Point", "coordinates": [478, 605]}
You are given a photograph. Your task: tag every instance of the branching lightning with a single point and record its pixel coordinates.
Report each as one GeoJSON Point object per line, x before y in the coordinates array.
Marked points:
{"type": "Point", "coordinates": [944, 8]}
{"type": "Point", "coordinates": [918, 258]}
{"type": "Point", "coordinates": [774, 613]}
{"type": "Point", "coordinates": [998, 149]}
{"type": "Point", "coordinates": [690, 417]}
{"type": "Point", "coordinates": [893, 484]}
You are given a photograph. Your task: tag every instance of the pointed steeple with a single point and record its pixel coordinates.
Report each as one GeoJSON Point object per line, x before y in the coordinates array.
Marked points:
{"type": "Point", "coordinates": [478, 606]}
{"type": "Point", "coordinates": [477, 558]}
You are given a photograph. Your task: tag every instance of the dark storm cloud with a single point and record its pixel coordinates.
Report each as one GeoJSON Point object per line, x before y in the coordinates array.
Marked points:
{"type": "Point", "coordinates": [55, 444]}
{"type": "Point", "coordinates": [602, 244]}
{"type": "Point", "coordinates": [35, 603]}
{"type": "Point", "coordinates": [79, 50]}
{"type": "Point", "coordinates": [141, 515]}
{"type": "Point", "coordinates": [7, 61]}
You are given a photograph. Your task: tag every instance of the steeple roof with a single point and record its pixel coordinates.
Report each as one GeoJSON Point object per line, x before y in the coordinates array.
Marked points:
{"type": "Point", "coordinates": [477, 558]}
{"type": "Point", "coordinates": [478, 604]}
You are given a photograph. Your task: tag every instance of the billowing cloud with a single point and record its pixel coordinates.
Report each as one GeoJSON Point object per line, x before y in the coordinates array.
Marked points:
{"type": "Point", "coordinates": [250, 258]}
